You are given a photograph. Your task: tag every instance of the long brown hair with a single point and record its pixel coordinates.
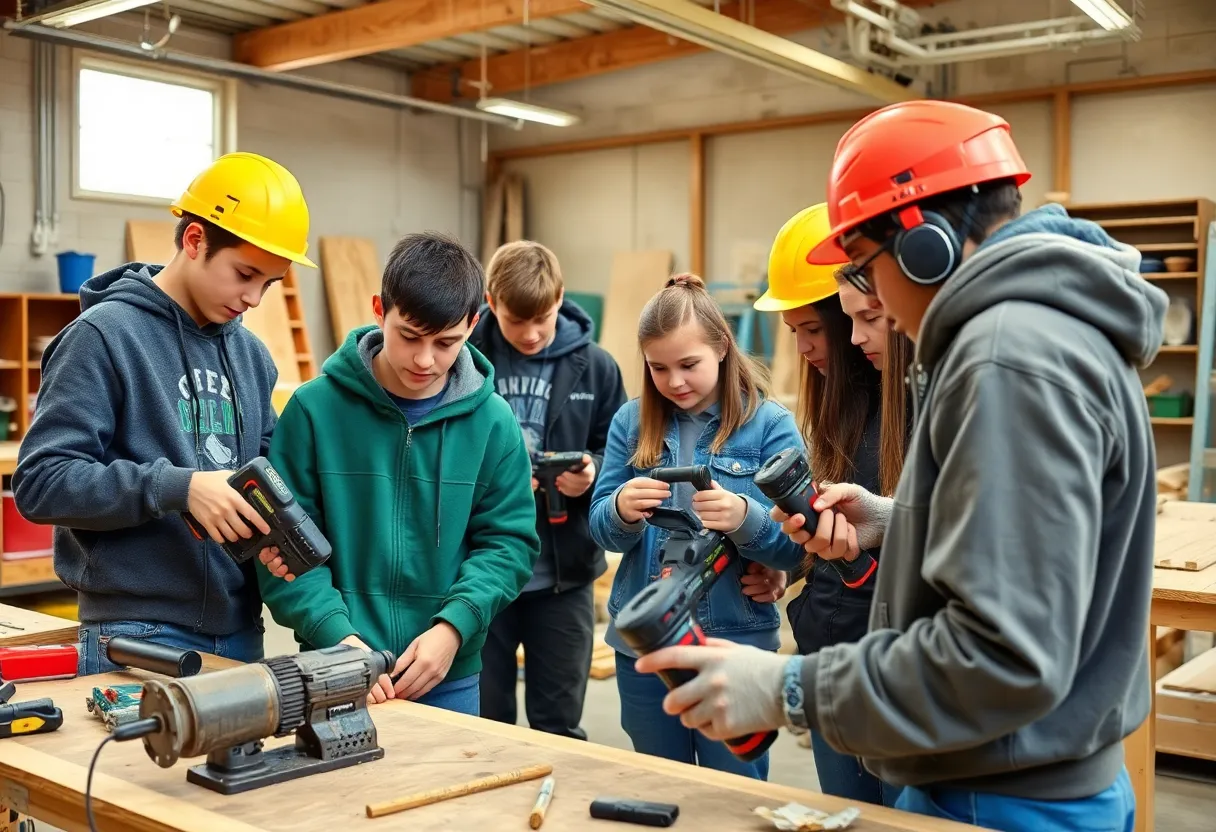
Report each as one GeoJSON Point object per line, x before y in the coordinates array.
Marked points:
{"type": "Point", "coordinates": [742, 382]}
{"type": "Point", "coordinates": [893, 443]}
{"type": "Point", "coordinates": [832, 411]}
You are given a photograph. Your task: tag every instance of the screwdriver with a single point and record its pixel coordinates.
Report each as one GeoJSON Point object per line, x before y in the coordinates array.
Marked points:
{"type": "Point", "coordinates": [38, 716]}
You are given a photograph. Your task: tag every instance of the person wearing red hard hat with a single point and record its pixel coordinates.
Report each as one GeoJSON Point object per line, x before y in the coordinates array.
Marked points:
{"type": "Point", "coordinates": [1006, 658]}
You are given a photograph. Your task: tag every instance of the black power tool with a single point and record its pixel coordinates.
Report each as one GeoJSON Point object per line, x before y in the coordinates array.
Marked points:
{"type": "Point", "coordinates": [664, 613]}
{"type": "Point", "coordinates": [301, 544]}
{"type": "Point", "coordinates": [786, 480]}
{"type": "Point", "coordinates": [547, 466]}
{"type": "Point", "coordinates": [319, 695]}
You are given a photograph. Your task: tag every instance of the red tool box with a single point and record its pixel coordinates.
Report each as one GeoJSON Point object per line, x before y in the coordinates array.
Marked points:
{"type": "Point", "coordinates": [54, 661]}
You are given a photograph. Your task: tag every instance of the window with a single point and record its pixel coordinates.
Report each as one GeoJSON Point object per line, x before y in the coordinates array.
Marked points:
{"type": "Point", "coordinates": [142, 135]}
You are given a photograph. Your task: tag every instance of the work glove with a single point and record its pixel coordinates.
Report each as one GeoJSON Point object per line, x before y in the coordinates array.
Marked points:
{"type": "Point", "coordinates": [737, 689]}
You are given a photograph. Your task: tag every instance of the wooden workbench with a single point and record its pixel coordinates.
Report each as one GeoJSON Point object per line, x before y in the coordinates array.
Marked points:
{"type": "Point", "coordinates": [19, 626]}
{"type": "Point", "coordinates": [44, 776]}
{"type": "Point", "coordinates": [8, 457]}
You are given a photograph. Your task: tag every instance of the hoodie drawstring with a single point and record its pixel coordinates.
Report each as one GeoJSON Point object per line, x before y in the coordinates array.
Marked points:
{"type": "Point", "coordinates": [236, 399]}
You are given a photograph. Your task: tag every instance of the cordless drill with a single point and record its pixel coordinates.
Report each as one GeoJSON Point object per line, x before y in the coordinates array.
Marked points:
{"type": "Point", "coordinates": [301, 544]}
{"type": "Point", "coordinates": [664, 613]}
{"type": "Point", "coordinates": [547, 466]}
{"type": "Point", "coordinates": [786, 480]}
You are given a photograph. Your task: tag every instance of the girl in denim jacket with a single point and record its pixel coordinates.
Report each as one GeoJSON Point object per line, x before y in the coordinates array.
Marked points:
{"type": "Point", "coordinates": [703, 402]}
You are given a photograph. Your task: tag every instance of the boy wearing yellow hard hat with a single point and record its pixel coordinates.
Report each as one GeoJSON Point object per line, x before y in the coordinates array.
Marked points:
{"type": "Point", "coordinates": [149, 400]}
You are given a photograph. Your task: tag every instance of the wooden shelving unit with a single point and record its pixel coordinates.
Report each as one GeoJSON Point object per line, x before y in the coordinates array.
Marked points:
{"type": "Point", "coordinates": [1160, 229]}
{"type": "Point", "coordinates": [25, 318]}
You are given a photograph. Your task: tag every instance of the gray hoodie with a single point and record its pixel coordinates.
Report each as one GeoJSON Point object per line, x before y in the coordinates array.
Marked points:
{"type": "Point", "coordinates": [113, 444]}
{"type": "Point", "coordinates": [1008, 639]}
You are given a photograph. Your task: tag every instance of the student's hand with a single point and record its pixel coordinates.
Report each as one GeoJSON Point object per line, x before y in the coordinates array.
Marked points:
{"type": "Point", "coordinates": [638, 496]}
{"type": "Point", "coordinates": [535, 484]}
{"type": "Point", "coordinates": [576, 484]}
{"type": "Point", "coordinates": [220, 508]}
{"type": "Point", "coordinates": [719, 509]}
{"type": "Point", "coordinates": [382, 691]}
{"type": "Point", "coordinates": [270, 557]}
{"type": "Point", "coordinates": [426, 661]}
{"type": "Point", "coordinates": [868, 513]}
{"type": "Point", "coordinates": [832, 537]}
{"type": "Point", "coordinates": [764, 585]}
{"type": "Point", "coordinates": [736, 690]}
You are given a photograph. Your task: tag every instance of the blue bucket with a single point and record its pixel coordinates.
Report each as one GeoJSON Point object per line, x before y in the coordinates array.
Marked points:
{"type": "Point", "coordinates": [74, 270]}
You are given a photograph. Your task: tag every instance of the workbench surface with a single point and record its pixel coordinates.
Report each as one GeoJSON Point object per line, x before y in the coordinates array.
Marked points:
{"type": "Point", "coordinates": [44, 776]}
{"type": "Point", "coordinates": [19, 626]}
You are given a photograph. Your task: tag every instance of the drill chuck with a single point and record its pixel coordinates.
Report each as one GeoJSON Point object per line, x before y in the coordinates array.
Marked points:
{"type": "Point", "coordinates": [213, 711]}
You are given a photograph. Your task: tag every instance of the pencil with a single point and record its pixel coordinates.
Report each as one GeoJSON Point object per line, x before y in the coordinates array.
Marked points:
{"type": "Point", "coordinates": [494, 781]}
{"type": "Point", "coordinates": [542, 803]}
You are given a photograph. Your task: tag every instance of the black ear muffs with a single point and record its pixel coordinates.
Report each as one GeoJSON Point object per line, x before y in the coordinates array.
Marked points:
{"type": "Point", "coordinates": [926, 247]}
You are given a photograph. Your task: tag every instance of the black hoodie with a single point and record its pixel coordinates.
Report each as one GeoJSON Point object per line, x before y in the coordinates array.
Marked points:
{"type": "Point", "coordinates": [112, 447]}
{"type": "Point", "coordinates": [582, 386]}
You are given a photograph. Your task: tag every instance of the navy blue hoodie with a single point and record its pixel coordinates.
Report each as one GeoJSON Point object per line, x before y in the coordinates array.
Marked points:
{"type": "Point", "coordinates": [113, 445]}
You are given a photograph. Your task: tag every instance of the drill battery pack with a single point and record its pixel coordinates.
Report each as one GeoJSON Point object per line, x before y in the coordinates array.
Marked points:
{"type": "Point", "coordinates": [300, 543]}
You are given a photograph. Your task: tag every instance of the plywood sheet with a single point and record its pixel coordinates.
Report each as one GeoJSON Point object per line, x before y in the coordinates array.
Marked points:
{"type": "Point", "coordinates": [19, 626]}
{"type": "Point", "coordinates": [1186, 536]}
{"type": "Point", "coordinates": [351, 271]}
{"type": "Point", "coordinates": [636, 277]}
{"type": "Point", "coordinates": [271, 322]}
{"type": "Point", "coordinates": [150, 241]}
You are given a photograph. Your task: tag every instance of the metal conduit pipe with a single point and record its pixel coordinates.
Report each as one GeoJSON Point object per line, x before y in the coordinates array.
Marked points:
{"type": "Point", "coordinates": [231, 69]}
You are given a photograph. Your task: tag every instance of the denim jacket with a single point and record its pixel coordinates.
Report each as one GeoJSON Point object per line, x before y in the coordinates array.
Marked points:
{"type": "Point", "coordinates": [724, 612]}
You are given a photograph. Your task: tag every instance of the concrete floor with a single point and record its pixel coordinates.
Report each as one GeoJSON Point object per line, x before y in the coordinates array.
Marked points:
{"type": "Point", "coordinates": [1184, 803]}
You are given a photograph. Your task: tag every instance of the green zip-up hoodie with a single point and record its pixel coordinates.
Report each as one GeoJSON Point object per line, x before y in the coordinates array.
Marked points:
{"type": "Point", "coordinates": [429, 522]}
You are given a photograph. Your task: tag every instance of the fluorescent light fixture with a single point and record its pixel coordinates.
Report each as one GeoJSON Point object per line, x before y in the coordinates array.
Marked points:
{"type": "Point", "coordinates": [74, 14]}
{"type": "Point", "coordinates": [527, 112]}
{"type": "Point", "coordinates": [1106, 13]}
{"type": "Point", "coordinates": [693, 23]}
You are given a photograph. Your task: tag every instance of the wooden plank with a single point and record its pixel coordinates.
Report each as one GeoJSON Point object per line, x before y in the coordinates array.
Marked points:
{"type": "Point", "coordinates": [515, 208]}
{"type": "Point", "coordinates": [379, 27]}
{"type": "Point", "coordinates": [592, 55]}
{"type": "Point", "coordinates": [1196, 676]}
{"type": "Point", "coordinates": [424, 748]}
{"type": "Point", "coordinates": [1062, 122]}
{"type": "Point", "coordinates": [271, 322]}
{"type": "Point", "coordinates": [1185, 536]}
{"type": "Point", "coordinates": [491, 231]}
{"type": "Point", "coordinates": [696, 204]}
{"type": "Point", "coordinates": [635, 278]}
{"type": "Point", "coordinates": [19, 626]}
{"type": "Point", "coordinates": [8, 457]}
{"type": "Point", "coordinates": [150, 241]}
{"type": "Point", "coordinates": [351, 271]}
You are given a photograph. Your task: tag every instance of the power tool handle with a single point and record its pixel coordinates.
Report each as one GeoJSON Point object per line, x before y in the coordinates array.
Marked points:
{"type": "Point", "coordinates": [851, 573]}
{"type": "Point", "coordinates": [556, 502]}
{"type": "Point", "coordinates": [698, 475]}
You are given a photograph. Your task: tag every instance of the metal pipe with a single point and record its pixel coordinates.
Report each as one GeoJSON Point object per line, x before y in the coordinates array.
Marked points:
{"type": "Point", "coordinates": [71, 37]}
{"type": "Point", "coordinates": [1072, 23]}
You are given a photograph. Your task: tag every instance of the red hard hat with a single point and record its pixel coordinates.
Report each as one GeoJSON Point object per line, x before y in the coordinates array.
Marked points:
{"type": "Point", "coordinates": [907, 152]}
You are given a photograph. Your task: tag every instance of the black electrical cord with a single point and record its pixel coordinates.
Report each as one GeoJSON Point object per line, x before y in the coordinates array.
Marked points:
{"type": "Point", "coordinates": [129, 731]}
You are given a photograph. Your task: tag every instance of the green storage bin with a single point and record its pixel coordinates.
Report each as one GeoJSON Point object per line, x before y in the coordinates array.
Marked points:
{"type": "Point", "coordinates": [1171, 405]}
{"type": "Point", "coordinates": [593, 305]}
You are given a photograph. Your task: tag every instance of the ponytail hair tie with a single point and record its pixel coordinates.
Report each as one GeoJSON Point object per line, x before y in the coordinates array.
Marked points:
{"type": "Point", "coordinates": [686, 280]}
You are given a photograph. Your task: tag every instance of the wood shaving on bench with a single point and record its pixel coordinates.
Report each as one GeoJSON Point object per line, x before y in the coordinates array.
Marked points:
{"type": "Point", "coordinates": [794, 817]}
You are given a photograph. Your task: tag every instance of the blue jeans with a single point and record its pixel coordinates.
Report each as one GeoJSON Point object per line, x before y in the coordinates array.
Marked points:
{"type": "Point", "coordinates": [659, 734]}
{"type": "Point", "coordinates": [460, 695]}
{"type": "Point", "coordinates": [1111, 810]}
{"type": "Point", "coordinates": [243, 646]}
{"type": "Point", "coordinates": [842, 775]}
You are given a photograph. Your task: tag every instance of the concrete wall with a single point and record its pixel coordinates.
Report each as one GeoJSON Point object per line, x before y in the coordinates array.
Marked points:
{"type": "Point", "coordinates": [367, 171]}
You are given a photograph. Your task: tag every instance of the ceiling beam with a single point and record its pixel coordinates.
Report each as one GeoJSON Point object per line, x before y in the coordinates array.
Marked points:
{"type": "Point", "coordinates": [381, 26]}
{"type": "Point", "coordinates": [596, 54]}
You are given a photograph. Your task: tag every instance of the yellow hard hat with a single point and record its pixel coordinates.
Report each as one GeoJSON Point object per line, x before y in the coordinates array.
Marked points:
{"type": "Point", "coordinates": [254, 198]}
{"type": "Point", "coordinates": [793, 282]}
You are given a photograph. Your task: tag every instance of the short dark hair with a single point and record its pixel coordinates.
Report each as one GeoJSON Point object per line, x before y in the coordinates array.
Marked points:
{"type": "Point", "coordinates": [990, 203]}
{"type": "Point", "coordinates": [433, 281]}
{"type": "Point", "coordinates": [216, 238]}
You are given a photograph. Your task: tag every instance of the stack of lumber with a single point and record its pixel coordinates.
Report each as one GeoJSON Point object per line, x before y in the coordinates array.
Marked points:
{"type": "Point", "coordinates": [1172, 482]}
{"type": "Point", "coordinates": [1186, 708]}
